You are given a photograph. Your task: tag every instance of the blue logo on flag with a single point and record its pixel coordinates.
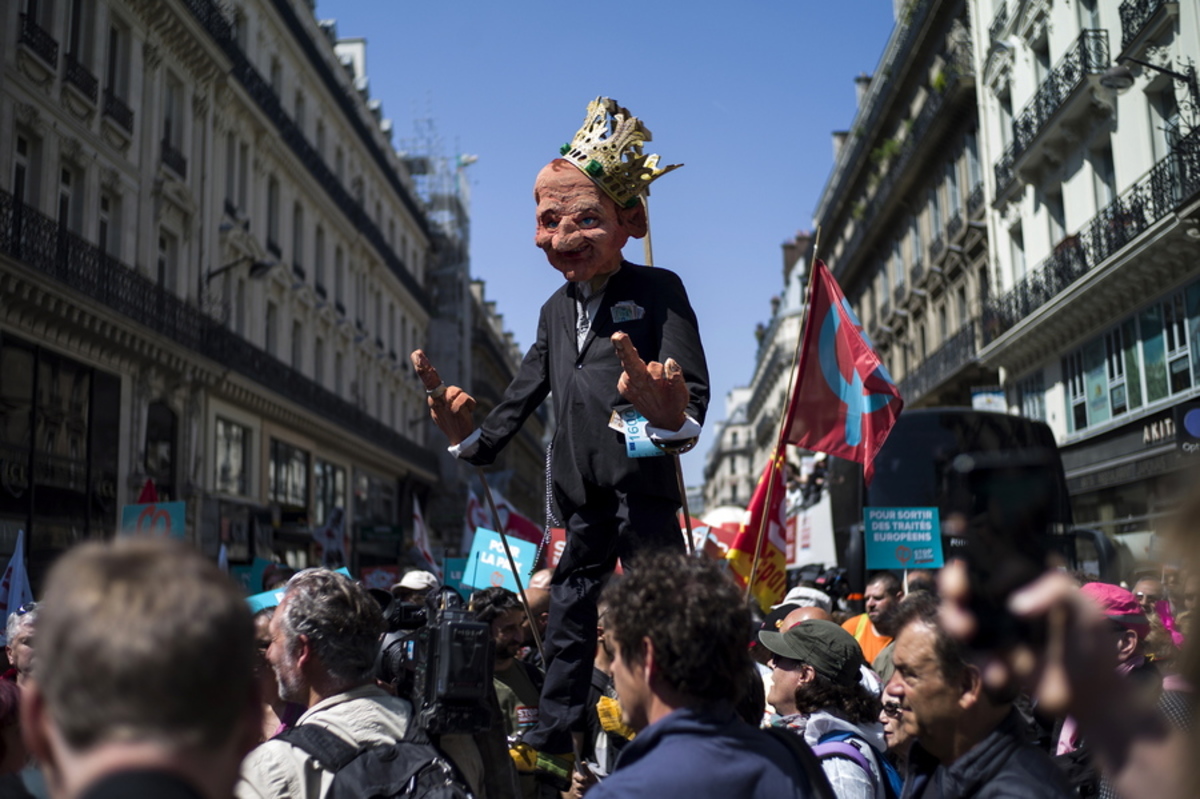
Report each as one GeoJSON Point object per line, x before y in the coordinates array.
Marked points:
{"type": "Point", "coordinates": [849, 392]}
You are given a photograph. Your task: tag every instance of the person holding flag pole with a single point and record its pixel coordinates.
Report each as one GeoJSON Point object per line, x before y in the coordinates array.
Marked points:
{"type": "Point", "coordinates": [841, 401]}
{"type": "Point", "coordinates": [618, 348]}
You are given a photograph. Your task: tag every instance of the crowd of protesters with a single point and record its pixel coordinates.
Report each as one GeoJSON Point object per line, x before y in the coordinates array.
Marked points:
{"type": "Point", "coordinates": [141, 672]}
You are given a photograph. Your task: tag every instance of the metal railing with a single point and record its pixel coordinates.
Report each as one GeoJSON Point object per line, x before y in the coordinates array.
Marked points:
{"type": "Point", "coordinates": [975, 200]}
{"type": "Point", "coordinates": [917, 271]}
{"type": "Point", "coordinates": [174, 159]}
{"type": "Point", "coordinates": [937, 247]}
{"type": "Point", "coordinates": [80, 77]}
{"type": "Point", "coordinates": [1172, 181]}
{"type": "Point", "coordinates": [1134, 16]}
{"type": "Point", "coordinates": [39, 40]}
{"type": "Point", "coordinates": [116, 110]}
{"type": "Point", "coordinates": [955, 225]}
{"type": "Point", "coordinates": [1088, 56]}
{"type": "Point", "coordinates": [42, 244]}
{"type": "Point", "coordinates": [998, 22]}
{"type": "Point", "coordinates": [958, 351]}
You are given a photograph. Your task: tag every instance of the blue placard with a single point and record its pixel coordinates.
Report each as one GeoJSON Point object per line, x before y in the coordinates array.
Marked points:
{"type": "Point", "coordinates": [452, 574]}
{"type": "Point", "coordinates": [155, 519]}
{"type": "Point", "coordinates": [271, 599]}
{"type": "Point", "coordinates": [488, 564]}
{"type": "Point", "coordinates": [903, 538]}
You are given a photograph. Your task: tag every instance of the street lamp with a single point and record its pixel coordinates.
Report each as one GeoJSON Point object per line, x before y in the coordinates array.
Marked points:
{"type": "Point", "coordinates": [259, 268]}
{"type": "Point", "coordinates": [1119, 78]}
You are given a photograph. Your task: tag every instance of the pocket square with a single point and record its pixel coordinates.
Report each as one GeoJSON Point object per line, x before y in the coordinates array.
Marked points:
{"type": "Point", "coordinates": [627, 311]}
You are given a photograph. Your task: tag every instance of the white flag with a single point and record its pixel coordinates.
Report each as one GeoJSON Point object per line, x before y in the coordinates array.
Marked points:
{"type": "Point", "coordinates": [14, 586]}
{"type": "Point", "coordinates": [421, 540]}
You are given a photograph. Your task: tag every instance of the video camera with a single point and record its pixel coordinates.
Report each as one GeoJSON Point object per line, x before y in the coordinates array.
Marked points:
{"type": "Point", "coordinates": [440, 657]}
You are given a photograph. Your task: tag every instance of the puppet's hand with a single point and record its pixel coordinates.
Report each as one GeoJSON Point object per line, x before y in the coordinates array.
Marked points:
{"type": "Point", "coordinates": [450, 406]}
{"type": "Point", "coordinates": [657, 390]}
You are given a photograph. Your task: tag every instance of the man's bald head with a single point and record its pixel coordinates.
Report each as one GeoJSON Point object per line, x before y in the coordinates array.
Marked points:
{"type": "Point", "coordinates": [803, 614]}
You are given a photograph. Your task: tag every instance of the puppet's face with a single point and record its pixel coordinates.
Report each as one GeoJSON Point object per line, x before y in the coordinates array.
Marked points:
{"type": "Point", "coordinates": [579, 227]}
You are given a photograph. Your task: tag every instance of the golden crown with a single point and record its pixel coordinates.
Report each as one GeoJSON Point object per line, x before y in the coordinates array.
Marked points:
{"type": "Point", "coordinates": [608, 149]}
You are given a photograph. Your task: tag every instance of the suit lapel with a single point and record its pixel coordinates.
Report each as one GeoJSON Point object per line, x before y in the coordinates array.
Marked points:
{"type": "Point", "coordinates": [613, 288]}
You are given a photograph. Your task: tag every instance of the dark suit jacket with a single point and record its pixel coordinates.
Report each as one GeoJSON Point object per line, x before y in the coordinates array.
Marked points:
{"type": "Point", "coordinates": [583, 382]}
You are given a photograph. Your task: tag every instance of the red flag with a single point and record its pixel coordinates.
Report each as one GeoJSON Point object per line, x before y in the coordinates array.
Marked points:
{"type": "Point", "coordinates": [845, 402]}
{"type": "Point", "coordinates": [770, 583]}
{"type": "Point", "coordinates": [149, 493]}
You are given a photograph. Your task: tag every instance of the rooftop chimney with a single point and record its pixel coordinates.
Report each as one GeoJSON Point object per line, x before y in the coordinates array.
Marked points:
{"type": "Point", "coordinates": [861, 84]}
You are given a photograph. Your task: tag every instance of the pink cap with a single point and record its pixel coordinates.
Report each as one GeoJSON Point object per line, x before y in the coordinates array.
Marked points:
{"type": "Point", "coordinates": [1118, 604]}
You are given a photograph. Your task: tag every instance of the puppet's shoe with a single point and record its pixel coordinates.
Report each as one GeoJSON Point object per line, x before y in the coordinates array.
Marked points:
{"type": "Point", "coordinates": [530, 761]}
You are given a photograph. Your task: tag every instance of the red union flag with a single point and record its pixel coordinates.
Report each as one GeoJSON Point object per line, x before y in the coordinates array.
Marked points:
{"type": "Point", "coordinates": [770, 583]}
{"type": "Point", "coordinates": [845, 402]}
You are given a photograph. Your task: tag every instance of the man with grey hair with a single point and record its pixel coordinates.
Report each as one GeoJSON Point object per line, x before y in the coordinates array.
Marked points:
{"type": "Point", "coordinates": [324, 639]}
{"type": "Point", "coordinates": [143, 683]}
{"type": "Point", "coordinates": [18, 636]}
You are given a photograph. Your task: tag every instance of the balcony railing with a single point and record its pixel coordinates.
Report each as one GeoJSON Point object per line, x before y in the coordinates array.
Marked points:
{"type": "Point", "coordinates": [1135, 14]}
{"type": "Point", "coordinates": [918, 272]}
{"type": "Point", "coordinates": [45, 246]}
{"type": "Point", "coordinates": [1172, 181]}
{"type": "Point", "coordinates": [1088, 56]}
{"type": "Point", "coordinates": [80, 77]}
{"type": "Point", "coordinates": [975, 201]}
{"type": "Point", "coordinates": [958, 351]}
{"type": "Point", "coordinates": [998, 22]}
{"type": "Point", "coordinates": [116, 110]}
{"type": "Point", "coordinates": [899, 293]}
{"type": "Point", "coordinates": [954, 226]}
{"type": "Point", "coordinates": [37, 39]}
{"type": "Point", "coordinates": [210, 16]}
{"type": "Point", "coordinates": [937, 247]}
{"type": "Point", "coordinates": [174, 159]}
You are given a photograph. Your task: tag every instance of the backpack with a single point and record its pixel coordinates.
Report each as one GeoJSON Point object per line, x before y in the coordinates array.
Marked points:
{"type": "Point", "coordinates": [837, 744]}
{"type": "Point", "coordinates": [411, 768]}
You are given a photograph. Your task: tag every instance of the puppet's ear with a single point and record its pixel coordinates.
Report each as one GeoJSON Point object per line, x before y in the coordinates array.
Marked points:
{"type": "Point", "coordinates": [634, 220]}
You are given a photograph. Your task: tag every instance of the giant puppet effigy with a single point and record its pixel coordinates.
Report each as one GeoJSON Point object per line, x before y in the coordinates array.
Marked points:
{"type": "Point", "coordinates": [619, 351]}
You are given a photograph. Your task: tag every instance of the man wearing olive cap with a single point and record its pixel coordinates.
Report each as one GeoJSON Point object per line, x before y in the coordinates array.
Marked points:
{"type": "Point", "coordinates": [817, 690]}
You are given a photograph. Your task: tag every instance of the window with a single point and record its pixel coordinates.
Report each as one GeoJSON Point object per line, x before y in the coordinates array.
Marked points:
{"type": "Point", "coordinates": [273, 216]}
{"type": "Point", "coordinates": [339, 372]}
{"type": "Point", "coordinates": [1114, 360]}
{"type": "Point", "coordinates": [239, 308]}
{"type": "Point", "coordinates": [230, 172]}
{"type": "Point", "coordinates": [173, 112]}
{"type": "Point", "coordinates": [321, 139]}
{"type": "Point", "coordinates": [897, 265]}
{"type": "Point", "coordinates": [953, 195]}
{"type": "Point", "coordinates": [330, 489]}
{"type": "Point", "coordinates": [392, 420]}
{"type": "Point", "coordinates": [974, 173]}
{"type": "Point", "coordinates": [1031, 395]}
{"type": "Point", "coordinates": [1164, 121]}
{"type": "Point", "coordinates": [116, 74]}
{"type": "Point", "coordinates": [272, 322]}
{"type": "Point", "coordinates": [943, 324]}
{"type": "Point", "coordinates": [70, 210]}
{"type": "Point", "coordinates": [338, 279]}
{"type": "Point", "coordinates": [339, 164]}
{"type": "Point", "coordinates": [276, 75]}
{"type": "Point", "coordinates": [22, 169]}
{"type": "Point", "coordinates": [1057, 216]}
{"type": "Point", "coordinates": [243, 175]}
{"type": "Point", "coordinates": [1104, 179]}
{"type": "Point", "coordinates": [298, 240]}
{"type": "Point", "coordinates": [232, 458]}
{"type": "Point", "coordinates": [297, 346]}
{"type": "Point", "coordinates": [1006, 119]}
{"type": "Point", "coordinates": [239, 28]}
{"type": "Point", "coordinates": [935, 212]}
{"type": "Point", "coordinates": [78, 36]}
{"type": "Point", "coordinates": [918, 247]}
{"type": "Point", "coordinates": [391, 327]}
{"type": "Point", "coordinates": [319, 361]}
{"type": "Point", "coordinates": [922, 342]}
{"type": "Point", "coordinates": [319, 257]}
{"type": "Point", "coordinates": [1179, 372]}
{"type": "Point", "coordinates": [299, 110]}
{"type": "Point", "coordinates": [108, 236]}
{"type": "Point", "coordinates": [288, 475]}
{"type": "Point", "coordinates": [168, 260]}
{"type": "Point", "coordinates": [1016, 242]}
{"type": "Point", "coordinates": [1073, 378]}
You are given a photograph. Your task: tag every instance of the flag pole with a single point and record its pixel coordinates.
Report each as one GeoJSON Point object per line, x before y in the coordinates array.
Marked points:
{"type": "Point", "coordinates": [648, 252]}
{"type": "Point", "coordinates": [512, 564]}
{"type": "Point", "coordinates": [779, 439]}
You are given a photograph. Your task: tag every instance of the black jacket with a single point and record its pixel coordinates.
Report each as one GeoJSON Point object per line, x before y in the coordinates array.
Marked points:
{"type": "Point", "coordinates": [583, 381]}
{"type": "Point", "coordinates": [1004, 765]}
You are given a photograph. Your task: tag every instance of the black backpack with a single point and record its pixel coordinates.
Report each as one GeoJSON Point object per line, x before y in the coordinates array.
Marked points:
{"type": "Point", "coordinates": [411, 768]}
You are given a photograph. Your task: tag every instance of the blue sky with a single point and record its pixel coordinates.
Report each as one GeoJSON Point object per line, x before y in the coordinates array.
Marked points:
{"type": "Point", "coordinates": [745, 94]}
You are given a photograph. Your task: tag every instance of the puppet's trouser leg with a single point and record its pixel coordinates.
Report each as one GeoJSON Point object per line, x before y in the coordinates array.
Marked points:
{"type": "Point", "coordinates": [611, 525]}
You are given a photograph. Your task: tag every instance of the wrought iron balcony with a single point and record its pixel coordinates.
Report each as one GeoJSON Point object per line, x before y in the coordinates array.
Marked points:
{"type": "Point", "coordinates": [38, 39]}
{"type": "Point", "coordinates": [173, 159]}
{"type": "Point", "coordinates": [1088, 56]}
{"type": "Point", "coordinates": [998, 22]}
{"type": "Point", "coordinates": [1172, 181]}
{"type": "Point", "coordinates": [975, 201]}
{"type": "Point", "coordinates": [958, 351]}
{"type": "Point", "coordinates": [899, 293]}
{"type": "Point", "coordinates": [918, 272]}
{"type": "Point", "coordinates": [116, 110]}
{"type": "Point", "coordinates": [954, 226]}
{"type": "Point", "coordinates": [43, 245]}
{"type": "Point", "coordinates": [937, 247]}
{"type": "Point", "coordinates": [1135, 15]}
{"type": "Point", "coordinates": [80, 77]}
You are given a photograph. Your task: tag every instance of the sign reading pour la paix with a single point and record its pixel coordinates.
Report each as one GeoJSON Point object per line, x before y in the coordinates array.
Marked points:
{"type": "Point", "coordinates": [903, 538]}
